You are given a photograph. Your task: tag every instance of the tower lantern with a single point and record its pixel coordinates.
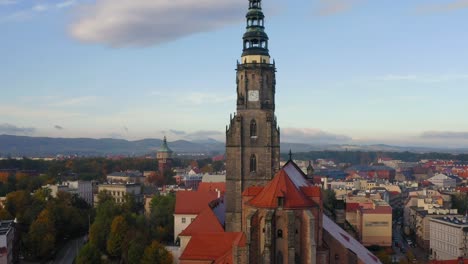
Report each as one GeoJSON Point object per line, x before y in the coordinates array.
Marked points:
{"type": "Point", "coordinates": [255, 39]}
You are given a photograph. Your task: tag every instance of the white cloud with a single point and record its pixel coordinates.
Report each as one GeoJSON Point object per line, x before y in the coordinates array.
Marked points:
{"type": "Point", "coordinates": [444, 135]}
{"type": "Point", "coordinates": [40, 8]}
{"type": "Point", "coordinates": [121, 23]}
{"type": "Point", "coordinates": [312, 136]}
{"type": "Point", "coordinates": [10, 129]}
{"type": "Point", "coordinates": [65, 4]}
{"type": "Point", "coordinates": [447, 6]}
{"type": "Point", "coordinates": [423, 78]}
{"type": "Point", "coordinates": [76, 101]}
{"type": "Point", "coordinates": [332, 7]}
{"type": "Point", "coordinates": [8, 2]}
{"type": "Point", "coordinates": [206, 98]}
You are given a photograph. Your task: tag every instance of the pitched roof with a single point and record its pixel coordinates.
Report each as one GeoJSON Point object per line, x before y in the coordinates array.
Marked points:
{"type": "Point", "coordinates": [205, 222]}
{"type": "Point", "coordinates": [212, 186]}
{"type": "Point", "coordinates": [216, 247]}
{"type": "Point", "coordinates": [349, 242]}
{"type": "Point", "coordinates": [190, 202]}
{"type": "Point", "coordinates": [285, 186]}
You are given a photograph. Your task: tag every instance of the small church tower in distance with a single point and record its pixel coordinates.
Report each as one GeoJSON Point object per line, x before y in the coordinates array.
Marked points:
{"type": "Point", "coordinates": [252, 136]}
{"type": "Point", "coordinates": [164, 157]}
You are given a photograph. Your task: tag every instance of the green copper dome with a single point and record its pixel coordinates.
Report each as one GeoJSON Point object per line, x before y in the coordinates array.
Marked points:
{"type": "Point", "coordinates": [255, 39]}
{"type": "Point", "coordinates": [164, 147]}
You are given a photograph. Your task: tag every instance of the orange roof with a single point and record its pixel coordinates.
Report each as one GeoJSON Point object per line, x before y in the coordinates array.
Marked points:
{"type": "Point", "coordinates": [281, 186]}
{"type": "Point", "coordinates": [189, 202]}
{"type": "Point", "coordinates": [216, 247]}
{"type": "Point", "coordinates": [205, 222]}
{"type": "Point", "coordinates": [252, 191]}
{"type": "Point", "coordinates": [212, 186]}
{"type": "Point", "coordinates": [311, 191]}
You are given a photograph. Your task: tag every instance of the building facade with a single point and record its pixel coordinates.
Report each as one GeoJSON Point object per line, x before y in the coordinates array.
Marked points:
{"type": "Point", "coordinates": [7, 236]}
{"type": "Point", "coordinates": [252, 136]}
{"type": "Point", "coordinates": [164, 157]}
{"type": "Point", "coordinates": [449, 238]}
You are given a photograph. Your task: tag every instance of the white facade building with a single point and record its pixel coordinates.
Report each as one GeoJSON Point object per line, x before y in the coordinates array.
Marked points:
{"type": "Point", "coordinates": [449, 237]}
{"type": "Point", "coordinates": [443, 181]}
{"type": "Point", "coordinates": [7, 234]}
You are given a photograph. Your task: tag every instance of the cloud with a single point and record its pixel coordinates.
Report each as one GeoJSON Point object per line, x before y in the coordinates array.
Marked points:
{"type": "Point", "coordinates": [204, 134]}
{"type": "Point", "coordinates": [333, 7]}
{"type": "Point", "coordinates": [40, 8]}
{"type": "Point", "coordinates": [10, 129]}
{"type": "Point", "coordinates": [177, 132]}
{"type": "Point", "coordinates": [58, 127]}
{"type": "Point", "coordinates": [125, 128]}
{"type": "Point", "coordinates": [65, 4]}
{"type": "Point", "coordinates": [311, 135]}
{"type": "Point", "coordinates": [204, 98]}
{"type": "Point", "coordinates": [74, 101]}
{"type": "Point", "coordinates": [444, 135]}
{"type": "Point", "coordinates": [8, 2]}
{"type": "Point", "coordinates": [443, 7]}
{"type": "Point", "coordinates": [123, 23]}
{"type": "Point", "coordinates": [423, 78]}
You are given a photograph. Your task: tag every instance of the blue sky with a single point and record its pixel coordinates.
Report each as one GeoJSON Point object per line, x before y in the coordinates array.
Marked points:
{"type": "Point", "coordinates": [387, 71]}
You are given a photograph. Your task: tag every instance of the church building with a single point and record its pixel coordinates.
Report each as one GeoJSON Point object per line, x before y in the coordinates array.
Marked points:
{"type": "Point", "coordinates": [272, 214]}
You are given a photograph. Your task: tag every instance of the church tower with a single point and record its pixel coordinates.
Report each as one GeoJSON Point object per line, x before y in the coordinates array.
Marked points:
{"type": "Point", "coordinates": [252, 136]}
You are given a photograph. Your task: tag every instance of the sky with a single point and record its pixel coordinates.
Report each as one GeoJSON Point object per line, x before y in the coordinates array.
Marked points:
{"type": "Point", "coordinates": [348, 71]}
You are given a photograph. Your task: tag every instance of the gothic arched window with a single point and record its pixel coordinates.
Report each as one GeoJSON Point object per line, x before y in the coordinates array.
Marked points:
{"type": "Point", "coordinates": [253, 163]}
{"type": "Point", "coordinates": [279, 233]}
{"type": "Point", "coordinates": [253, 128]}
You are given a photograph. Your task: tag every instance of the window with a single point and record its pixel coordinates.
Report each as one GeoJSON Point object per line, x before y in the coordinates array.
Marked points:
{"type": "Point", "coordinates": [253, 163]}
{"type": "Point", "coordinates": [280, 201]}
{"type": "Point", "coordinates": [279, 233]}
{"type": "Point", "coordinates": [253, 128]}
{"type": "Point", "coordinates": [183, 220]}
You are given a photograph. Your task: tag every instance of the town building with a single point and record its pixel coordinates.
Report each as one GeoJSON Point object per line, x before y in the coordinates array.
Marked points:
{"type": "Point", "coordinates": [120, 191]}
{"type": "Point", "coordinates": [84, 189]}
{"type": "Point", "coordinates": [128, 176]}
{"type": "Point", "coordinates": [7, 238]}
{"type": "Point", "coordinates": [449, 237]}
{"type": "Point", "coordinates": [443, 181]}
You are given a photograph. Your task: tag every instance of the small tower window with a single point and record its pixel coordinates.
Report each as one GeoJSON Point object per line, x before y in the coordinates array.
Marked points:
{"type": "Point", "coordinates": [253, 163]}
{"type": "Point", "coordinates": [279, 233]}
{"type": "Point", "coordinates": [253, 128]}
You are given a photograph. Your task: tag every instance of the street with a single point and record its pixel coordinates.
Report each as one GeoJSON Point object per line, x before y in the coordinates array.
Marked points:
{"type": "Point", "coordinates": [68, 252]}
{"type": "Point", "coordinates": [419, 254]}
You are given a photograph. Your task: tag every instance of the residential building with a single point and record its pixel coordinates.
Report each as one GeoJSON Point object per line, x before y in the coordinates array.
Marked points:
{"type": "Point", "coordinates": [119, 191]}
{"type": "Point", "coordinates": [443, 181]}
{"type": "Point", "coordinates": [129, 176]}
{"type": "Point", "coordinates": [7, 237]}
{"type": "Point", "coordinates": [449, 237]}
{"type": "Point", "coordinates": [84, 189]}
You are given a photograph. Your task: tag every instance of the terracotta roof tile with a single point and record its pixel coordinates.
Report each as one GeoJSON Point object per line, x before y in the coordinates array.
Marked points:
{"type": "Point", "coordinates": [212, 186]}
{"type": "Point", "coordinates": [190, 202]}
{"type": "Point", "coordinates": [281, 186]}
{"type": "Point", "coordinates": [252, 191]}
{"type": "Point", "coordinates": [205, 222]}
{"type": "Point", "coordinates": [216, 247]}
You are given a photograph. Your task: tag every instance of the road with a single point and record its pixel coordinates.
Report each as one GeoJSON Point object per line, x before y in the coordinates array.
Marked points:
{"type": "Point", "coordinates": [68, 252]}
{"type": "Point", "coordinates": [418, 252]}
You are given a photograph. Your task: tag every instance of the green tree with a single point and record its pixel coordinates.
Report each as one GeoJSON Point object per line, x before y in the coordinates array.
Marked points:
{"type": "Point", "coordinates": [136, 250]}
{"type": "Point", "coordinates": [88, 254]}
{"type": "Point", "coordinates": [162, 217]}
{"type": "Point", "coordinates": [156, 253]}
{"type": "Point", "coordinates": [117, 235]}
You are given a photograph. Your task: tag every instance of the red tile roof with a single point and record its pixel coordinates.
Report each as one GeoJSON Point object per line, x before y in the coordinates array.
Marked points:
{"type": "Point", "coordinates": [352, 207]}
{"type": "Point", "coordinates": [205, 222]}
{"type": "Point", "coordinates": [451, 261]}
{"type": "Point", "coordinates": [216, 247]}
{"type": "Point", "coordinates": [252, 191]}
{"type": "Point", "coordinates": [212, 186]}
{"type": "Point", "coordinates": [281, 186]}
{"type": "Point", "coordinates": [190, 202]}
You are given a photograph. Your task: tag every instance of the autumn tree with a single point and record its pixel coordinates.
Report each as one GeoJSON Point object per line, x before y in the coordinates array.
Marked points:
{"type": "Point", "coordinates": [117, 235]}
{"type": "Point", "coordinates": [41, 235]}
{"type": "Point", "coordinates": [88, 254]}
{"type": "Point", "coordinates": [156, 253]}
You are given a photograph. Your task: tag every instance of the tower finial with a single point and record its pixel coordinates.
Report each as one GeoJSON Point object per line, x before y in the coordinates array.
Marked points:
{"type": "Point", "coordinates": [290, 154]}
{"type": "Point", "coordinates": [255, 39]}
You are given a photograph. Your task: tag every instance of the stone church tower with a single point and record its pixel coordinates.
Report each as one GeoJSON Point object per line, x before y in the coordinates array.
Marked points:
{"type": "Point", "coordinates": [252, 136]}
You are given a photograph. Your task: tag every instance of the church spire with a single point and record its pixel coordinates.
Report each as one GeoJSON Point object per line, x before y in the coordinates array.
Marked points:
{"type": "Point", "coordinates": [255, 39]}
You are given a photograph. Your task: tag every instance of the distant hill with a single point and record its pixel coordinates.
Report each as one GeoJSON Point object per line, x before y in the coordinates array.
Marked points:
{"type": "Point", "coordinates": [44, 146]}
